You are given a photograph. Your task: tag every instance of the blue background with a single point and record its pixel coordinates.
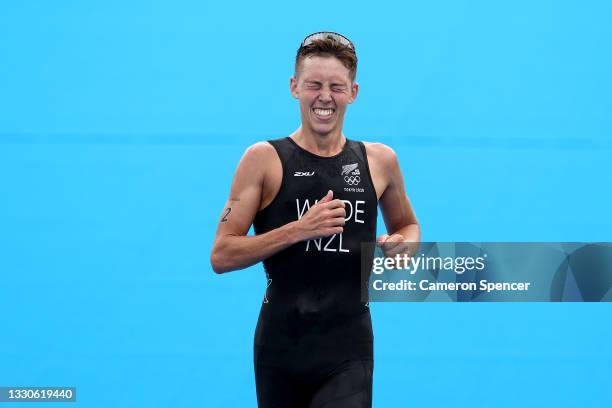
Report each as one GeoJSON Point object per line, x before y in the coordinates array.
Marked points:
{"type": "Point", "coordinates": [121, 124]}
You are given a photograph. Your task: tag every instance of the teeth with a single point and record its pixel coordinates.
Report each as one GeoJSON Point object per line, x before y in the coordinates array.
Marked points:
{"type": "Point", "coordinates": [323, 112]}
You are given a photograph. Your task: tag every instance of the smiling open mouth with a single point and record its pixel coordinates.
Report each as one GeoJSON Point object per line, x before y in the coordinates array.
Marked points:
{"type": "Point", "coordinates": [323, 113]}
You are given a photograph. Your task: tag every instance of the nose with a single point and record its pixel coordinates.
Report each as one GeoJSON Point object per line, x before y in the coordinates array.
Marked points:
{"type": "Point", "coordinates": [325, 96]}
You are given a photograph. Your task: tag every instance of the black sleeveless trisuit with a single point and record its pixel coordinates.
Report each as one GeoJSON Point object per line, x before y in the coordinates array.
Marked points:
{"type": "Point", "coordinates": [314, 342]}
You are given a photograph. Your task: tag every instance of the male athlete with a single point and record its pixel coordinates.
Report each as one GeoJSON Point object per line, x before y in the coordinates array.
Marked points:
{"type": "Point", "coordinates": [313, 199]}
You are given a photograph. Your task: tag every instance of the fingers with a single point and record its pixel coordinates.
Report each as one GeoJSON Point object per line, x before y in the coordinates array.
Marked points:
{"type": "Point", "coordinates": [336, 204]}
{"type": "Point", "coordinates": [398, 248]}
{"type": "Point", "coordinates": [380, 240]}
{"type": "Point", "coordinates": [403, 248]}
{"type": "Point", "coordinates": [335, 222]}
{"type": "Point", "coordinates": [393, 241]}
{"type": "Point", "coordinates": [391, 245]}
{"type": "Point", "coordinates": [328, 200]}
{"type": "Point", "coordinates": [327, 197]}
{"type": "Point", "coordinates": [397, 245]}
{"type": "Point", "coordinates": [338, 212]}
{"type": "Point", "coordinates": [332, 231]}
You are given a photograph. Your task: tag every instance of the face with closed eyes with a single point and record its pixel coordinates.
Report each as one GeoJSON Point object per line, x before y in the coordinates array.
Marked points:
{"type": "Point", "coordinates": [324, 89]}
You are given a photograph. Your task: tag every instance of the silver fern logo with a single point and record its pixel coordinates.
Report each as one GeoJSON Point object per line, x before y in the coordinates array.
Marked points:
{"type": "Point", "coordinates": [347, 168]}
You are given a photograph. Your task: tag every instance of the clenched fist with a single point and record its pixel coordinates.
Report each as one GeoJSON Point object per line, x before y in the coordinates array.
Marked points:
{"type": "Point", "coordinates": [323, 219]}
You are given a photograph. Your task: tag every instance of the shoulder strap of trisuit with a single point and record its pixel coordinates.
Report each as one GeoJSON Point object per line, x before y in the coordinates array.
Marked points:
{"type": "Point", "coordinates": [283, 147]}
{"type": "Point", "coordinates": [358, 149]}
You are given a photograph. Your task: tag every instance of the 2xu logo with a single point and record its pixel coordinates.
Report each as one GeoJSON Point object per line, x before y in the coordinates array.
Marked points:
{"type": "Point", "coordinates": [303, 173]}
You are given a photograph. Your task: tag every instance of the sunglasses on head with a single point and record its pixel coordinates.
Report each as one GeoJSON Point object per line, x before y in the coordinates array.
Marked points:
{"type": "Point", "coordinates": [327, 34]}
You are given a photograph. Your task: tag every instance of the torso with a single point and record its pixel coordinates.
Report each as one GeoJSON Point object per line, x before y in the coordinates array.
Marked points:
{"type": "Point", "coordinates": [315, 288]}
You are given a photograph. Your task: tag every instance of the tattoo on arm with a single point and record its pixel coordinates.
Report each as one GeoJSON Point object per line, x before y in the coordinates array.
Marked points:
{"type": "Point", "coordinates": [228, 210]}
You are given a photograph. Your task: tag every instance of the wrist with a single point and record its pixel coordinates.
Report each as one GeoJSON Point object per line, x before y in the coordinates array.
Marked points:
{"type": "Point", "coordinates": [294, 233]}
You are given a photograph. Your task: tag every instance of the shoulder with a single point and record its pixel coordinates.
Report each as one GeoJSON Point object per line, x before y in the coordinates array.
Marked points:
{"type": "Point", "coordinates": [381, 154]}
{"type": "Point", "coordinates": [258, 160]}
{"type": "Point", "coordinates": [259, 154]}
{"type": "Point", "coordinates": [259, 150]}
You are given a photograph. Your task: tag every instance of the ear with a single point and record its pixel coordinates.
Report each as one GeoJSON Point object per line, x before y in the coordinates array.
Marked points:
{"type": "Point", "coordinates": [354, 92]}
{"type": "Point", "coordinates": [293, 87]}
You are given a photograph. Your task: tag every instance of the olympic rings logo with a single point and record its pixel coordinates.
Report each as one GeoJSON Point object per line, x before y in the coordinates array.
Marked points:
{"type": "Point", "coordinates": [352, 180]}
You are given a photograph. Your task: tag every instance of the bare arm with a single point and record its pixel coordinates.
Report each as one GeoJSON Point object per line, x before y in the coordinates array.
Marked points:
{"type": "Point", "coordinates": [399, 217]}
{"type": "Point", "coordinates": [233, 249]}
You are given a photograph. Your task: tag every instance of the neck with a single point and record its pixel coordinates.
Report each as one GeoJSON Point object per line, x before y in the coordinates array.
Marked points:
{"type": "Point", "coordinates": [328, 144]}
